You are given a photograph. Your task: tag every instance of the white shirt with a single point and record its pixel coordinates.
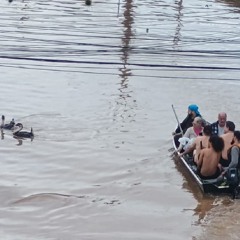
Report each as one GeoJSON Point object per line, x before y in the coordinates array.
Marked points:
{"type": "Point", "coordinates": [220, 130]}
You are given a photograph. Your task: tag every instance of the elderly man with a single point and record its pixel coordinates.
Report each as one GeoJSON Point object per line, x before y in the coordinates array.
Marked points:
{"type": "Point", "coordinates": [187, 122]}
{"type": "Point", "coordinates": [218, 126]}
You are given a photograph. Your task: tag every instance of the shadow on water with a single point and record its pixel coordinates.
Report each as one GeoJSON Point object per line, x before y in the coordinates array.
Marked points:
{"type": "Point", "coordinates": [2, 134]}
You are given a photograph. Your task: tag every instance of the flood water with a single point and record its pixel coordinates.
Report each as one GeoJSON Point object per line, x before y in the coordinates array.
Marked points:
{"type": "Point", "coordinates": [96, 84]}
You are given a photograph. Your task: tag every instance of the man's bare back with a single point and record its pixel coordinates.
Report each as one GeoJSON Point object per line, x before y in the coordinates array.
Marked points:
{"type": "Point", "coordinates": [208, 162]}
{"type": "Point", "coordinates": [209, 158]}
{"type": "Point", "coordinates": [201, 142]}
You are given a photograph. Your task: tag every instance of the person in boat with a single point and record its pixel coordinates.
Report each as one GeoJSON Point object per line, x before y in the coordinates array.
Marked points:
{"type": "Point", "coordinates": [234, 153]}
{"type": "Point", "coordinates": [219, 125]}
{"type": "Point", "coordinates": [208, 162]}
{"type": "Point", "coordinates": [228, 141]}
{"type": "Point", "coordinates": [199, 143]}
{"type": "Point", "coordinates": [186, 123]}
{"type": "Point", "coordinates": [192, 133]}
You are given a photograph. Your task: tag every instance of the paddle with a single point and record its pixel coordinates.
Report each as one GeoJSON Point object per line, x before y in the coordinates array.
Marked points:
{"type": "Point", "coordinates": [177, 119]}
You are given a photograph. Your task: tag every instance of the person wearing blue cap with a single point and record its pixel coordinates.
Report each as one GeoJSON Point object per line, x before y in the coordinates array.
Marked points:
{"type": "Point", "coordinates": [193, 109]}
{"type": "Point", "coordinates": [187, 122]}
{"type": "Point", "coordinates": [219, 126]}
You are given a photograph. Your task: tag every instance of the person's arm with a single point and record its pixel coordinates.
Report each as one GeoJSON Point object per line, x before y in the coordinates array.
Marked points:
{"type": "Point", "coordinates": [190, 148]}
{"type": "Point", "coordinates": [183, 125]}
{"type": "Point", "coordinates": [234, 157]}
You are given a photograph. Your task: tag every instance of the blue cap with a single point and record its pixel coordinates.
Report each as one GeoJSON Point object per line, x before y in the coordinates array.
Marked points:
{"type": "Point", "coordinates": [194, 108]}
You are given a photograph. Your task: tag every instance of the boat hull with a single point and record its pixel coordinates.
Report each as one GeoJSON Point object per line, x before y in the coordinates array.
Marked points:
{"type": "Point", "coordinates": [216, 186]}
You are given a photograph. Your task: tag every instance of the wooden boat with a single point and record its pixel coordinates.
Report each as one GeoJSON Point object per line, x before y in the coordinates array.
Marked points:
{"type": "Point", "coordinates": [228, 183]}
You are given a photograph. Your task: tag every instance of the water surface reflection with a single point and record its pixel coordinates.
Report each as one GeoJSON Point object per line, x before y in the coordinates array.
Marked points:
{"type": "Point", "coordinates": [179, 15]}
{"type": "Point", "coordinates": [125, 101]}
{"type": "Point", "coordinates": [97, 87]}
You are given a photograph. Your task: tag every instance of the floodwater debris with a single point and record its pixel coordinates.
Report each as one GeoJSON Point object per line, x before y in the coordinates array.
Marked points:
{"type": "Point", "coordinates": [88, 2]}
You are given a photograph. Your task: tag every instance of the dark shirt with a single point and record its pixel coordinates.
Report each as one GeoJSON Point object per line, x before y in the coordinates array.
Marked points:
{"type": "Point", "coordinates": [186, 123]}
{"type": "Point", "coordinates": [214, 127]}
{"type": "Point", "coordinates": [234, 157]}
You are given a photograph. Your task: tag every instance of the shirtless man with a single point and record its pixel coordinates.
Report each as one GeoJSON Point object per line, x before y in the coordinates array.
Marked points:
{"type": "Point", "coordinates": [209, 158]}
{"type": "Point", "coordinates": [228, 141]}
{"type": "Point", "coordinates": [219, 125]}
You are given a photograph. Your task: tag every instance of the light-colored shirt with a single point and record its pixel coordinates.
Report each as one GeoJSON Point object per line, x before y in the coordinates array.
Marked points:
{"type": "Point", "coordinates": [190, 133]}
{"type": "Point", "coordinates": [220, 130]}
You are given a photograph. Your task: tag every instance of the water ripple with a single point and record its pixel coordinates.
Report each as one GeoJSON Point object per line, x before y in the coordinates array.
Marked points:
{"type": "Point", "coordinates": [182, 35]}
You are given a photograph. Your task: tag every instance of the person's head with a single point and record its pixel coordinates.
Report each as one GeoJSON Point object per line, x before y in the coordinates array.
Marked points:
{"type": "Point", "coordinates": [222, 118]}
{"type": "Point", "coordinates": [197, 122]}
{"type": "Point", "coordinates": [207, 130]}
{"type": "Point", "coordinates": [236, 137]}
{"type": "Point", "coordinates": [230, 127]}
{"type": "Point", "coordinates": [193, 110]}
{"type": "Point", "coordinates": [217, 143]}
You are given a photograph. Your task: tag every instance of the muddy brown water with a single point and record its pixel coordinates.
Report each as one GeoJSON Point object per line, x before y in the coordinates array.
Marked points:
{"type": "Point", "coordinates": [97, 83]}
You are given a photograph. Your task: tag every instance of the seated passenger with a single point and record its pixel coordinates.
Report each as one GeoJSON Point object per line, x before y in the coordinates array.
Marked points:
{"type": "Point", "coordinates": [187, 122]}
{"type": "Point", "coordinates": [199, 143]}
{"type": "Point", "coordinates": [208, 167]}
{"type": "Point", "coordinates": [228, 139]}
{"type": "Point", "coordinates": [218, 126]}
{"type": "Point", "coordinates": [234, 153]}
{"type": "Point", "coordinates": [192, 133]}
